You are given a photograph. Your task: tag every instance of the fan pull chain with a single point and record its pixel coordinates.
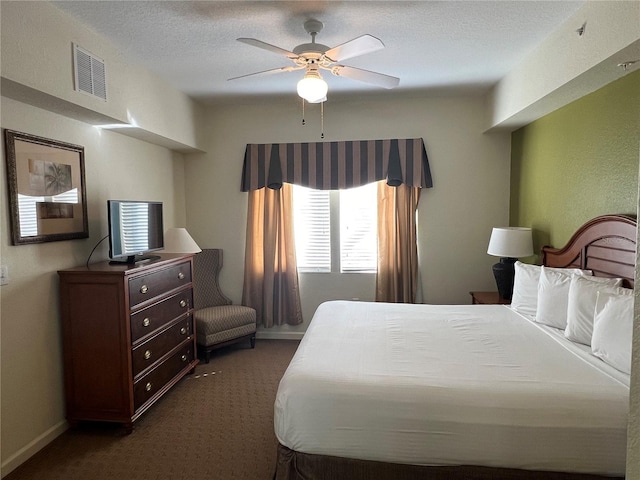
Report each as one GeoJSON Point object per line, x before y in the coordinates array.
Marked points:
{"type": "Point", "coordinates": [322, 119]}
{"type": "Point", "coordinates": [303, 122]}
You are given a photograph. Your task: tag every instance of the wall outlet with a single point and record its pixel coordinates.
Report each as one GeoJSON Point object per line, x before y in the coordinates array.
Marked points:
{"type": "Point", "coordinates": [4, 275]}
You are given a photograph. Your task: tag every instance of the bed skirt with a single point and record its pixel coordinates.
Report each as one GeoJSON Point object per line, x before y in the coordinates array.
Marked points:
{"type": "Point", "coordinates": [292, 465]}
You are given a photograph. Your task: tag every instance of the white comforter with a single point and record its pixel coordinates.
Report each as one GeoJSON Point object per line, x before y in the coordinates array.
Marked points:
{"type": "Point", "coordinates": [450, 385]}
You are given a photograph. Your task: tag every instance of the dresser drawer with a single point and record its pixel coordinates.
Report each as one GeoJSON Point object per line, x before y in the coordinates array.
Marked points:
{"type": "Point", "coordinates": [149, 352]}
{"type": "Point", "coordinates": [148, 385]}
{"type": "Point", "coordinates": [148, 320]}
{"type": "Point", "coordinates": [146, 287]}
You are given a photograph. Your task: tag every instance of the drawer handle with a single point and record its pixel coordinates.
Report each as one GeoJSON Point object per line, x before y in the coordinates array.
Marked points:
{"type": "Point", "coordinates": [146, 322]}
{"type": "Point", "coordinates": [183, 303]}
{"type": "Point", "coordinates": [183, 331]}
{"type": "Point", "coordinates": [147, 387]}
{"type": "Point", "coordinates": [144, 289]}
{"type": "Point", "coordinates": [147, 355]}
{"type": "Point", "coordinates": [181, 276]}
{"type": "Point", "coordinates": [183, 358]}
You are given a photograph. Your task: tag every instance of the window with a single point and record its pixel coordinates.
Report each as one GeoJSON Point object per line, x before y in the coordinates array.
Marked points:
{"type": "Point", "coordinates": [358, 229]}
{"type": "Point", "coordinates": [312, 229]}
{"type": "Point", "coordinates": [336, 230]}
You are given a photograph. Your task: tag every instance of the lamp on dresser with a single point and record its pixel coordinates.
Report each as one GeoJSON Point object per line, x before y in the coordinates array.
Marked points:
{"type": "Point", "coordinates": [509, 243]}
{"type": "Point", "coordinates": [178, 240]}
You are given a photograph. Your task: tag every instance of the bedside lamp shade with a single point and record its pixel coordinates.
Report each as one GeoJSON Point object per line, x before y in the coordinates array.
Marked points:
{"type": "Point", "coordinates": [513, 242]}
{"type": "Point", "coordinates": [510, 243]}
{"type": "Point", "coordinates": [178, 240]}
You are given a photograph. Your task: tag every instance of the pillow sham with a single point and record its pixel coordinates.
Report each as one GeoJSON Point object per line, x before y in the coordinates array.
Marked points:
{"type": "Point", "coordinates": [553, 298]}
{"type": "Point", "coordinates": [582, 303]}
{"type": "Point", "coordinates": [613, 329]}
{"type": "Point", "coordinates": [525, 286]}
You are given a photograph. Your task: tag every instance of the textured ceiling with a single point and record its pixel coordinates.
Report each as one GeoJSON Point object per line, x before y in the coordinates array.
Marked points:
{"type": "Point", "coordinates": [466, 45]}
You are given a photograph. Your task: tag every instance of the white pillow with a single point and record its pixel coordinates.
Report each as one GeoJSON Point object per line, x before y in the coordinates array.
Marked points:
{"type": "Point", "coordinates": [525, 286]}
{"type": "Point", "coordinates": [553, 295]}
{"type": "Point", "coordinates": [613, 329]}
{"type": "Point", "coordinates": [553, 298]}
{"type": "Point", "coordinates": [582, 303]}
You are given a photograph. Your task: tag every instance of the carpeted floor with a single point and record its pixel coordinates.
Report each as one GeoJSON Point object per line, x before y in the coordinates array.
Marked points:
{"type": "Point", "coordinates": [215, 424]}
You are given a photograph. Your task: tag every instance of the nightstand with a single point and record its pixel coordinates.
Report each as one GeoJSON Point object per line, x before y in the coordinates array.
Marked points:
{"type": "Point", "coordinates": [488, 298]}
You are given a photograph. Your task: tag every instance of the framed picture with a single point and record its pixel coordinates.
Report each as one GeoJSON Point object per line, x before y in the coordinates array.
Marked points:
{"type": "Point", "coordinates": [47, 197]}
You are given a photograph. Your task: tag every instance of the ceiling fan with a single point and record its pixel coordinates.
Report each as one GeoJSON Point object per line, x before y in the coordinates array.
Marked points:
{"type": "Point", "coordinates": [314, 56]}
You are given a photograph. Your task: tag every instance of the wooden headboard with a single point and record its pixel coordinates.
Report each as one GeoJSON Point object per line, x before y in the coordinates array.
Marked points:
{"type": "Point", "coordinates": [606, 245]}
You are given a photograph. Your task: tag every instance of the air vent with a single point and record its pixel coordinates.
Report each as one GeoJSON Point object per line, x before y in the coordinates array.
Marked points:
{"type": "Point", "coordinates": [89, 72]}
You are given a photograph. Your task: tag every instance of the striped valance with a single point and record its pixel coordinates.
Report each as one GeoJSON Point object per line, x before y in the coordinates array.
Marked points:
{"type": "Point", "coordinates": [336, 165]}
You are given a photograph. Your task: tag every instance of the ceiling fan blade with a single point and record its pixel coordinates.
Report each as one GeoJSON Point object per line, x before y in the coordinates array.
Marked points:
{"type": "Point", "coordinates": [268, 72]}
{"type": "Point", "coordinates": [380, 79]}
{"type": "Point", "coordinates": [352, 48]}
{"type": "Point", "coordinates": [269, 47]}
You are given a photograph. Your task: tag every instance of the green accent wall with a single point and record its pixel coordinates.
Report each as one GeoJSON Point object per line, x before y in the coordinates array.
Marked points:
{"type": "Point", "coordinates": [578, 162]}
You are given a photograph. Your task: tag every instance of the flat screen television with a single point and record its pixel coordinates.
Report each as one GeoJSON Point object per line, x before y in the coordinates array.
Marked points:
{"type": "Point", "coordinates": [135, 229]}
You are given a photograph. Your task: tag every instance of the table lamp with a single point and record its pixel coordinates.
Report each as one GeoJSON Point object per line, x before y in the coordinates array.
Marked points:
{"type": "Point", "coordinates": [510, 243]}
{"type": "Point", "coordinates": [178, 240]}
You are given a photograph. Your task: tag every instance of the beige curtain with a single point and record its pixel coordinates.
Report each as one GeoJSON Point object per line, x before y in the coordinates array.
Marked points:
{"type": "Point", "coordinates": [270, 271]}
{"type": "Point", "coordinates": [397, 277]}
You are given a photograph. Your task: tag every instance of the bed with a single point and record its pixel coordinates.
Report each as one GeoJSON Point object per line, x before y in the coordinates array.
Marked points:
{"type": "Point", "coordinates": [399, 391]}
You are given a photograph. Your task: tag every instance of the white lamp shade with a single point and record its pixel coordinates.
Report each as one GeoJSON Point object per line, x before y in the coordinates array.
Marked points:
{"type": "Point", "coordinates": [178, 240]}
{"type": "Point", "coordinates": [512, 242]}
{"type": "Point", "coordinates": [313, 88]}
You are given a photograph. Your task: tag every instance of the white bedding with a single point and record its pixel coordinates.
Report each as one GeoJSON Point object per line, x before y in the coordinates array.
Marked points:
{"type": "Point", "coordinates": [450, 385]}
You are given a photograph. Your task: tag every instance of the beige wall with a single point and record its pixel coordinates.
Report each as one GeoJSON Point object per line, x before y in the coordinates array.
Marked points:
{"type": "Point", "coordinates": [38, 98]}
{"type": "Point", "coordinates": [470, 194]}
{"type": "Point", "coordinates": [566, 66]}
{"type": "Point", "coordinates": [37, 65]}
{"type": "Point", "coordinates": [32, 407]}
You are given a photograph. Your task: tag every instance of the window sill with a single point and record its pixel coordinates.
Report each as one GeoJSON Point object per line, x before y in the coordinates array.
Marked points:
{"type": "Point", "coordinates": [313, 272]}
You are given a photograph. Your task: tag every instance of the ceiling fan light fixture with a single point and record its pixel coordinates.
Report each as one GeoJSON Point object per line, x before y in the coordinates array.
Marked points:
{"type": "Point", "coordinates": [312, 87]}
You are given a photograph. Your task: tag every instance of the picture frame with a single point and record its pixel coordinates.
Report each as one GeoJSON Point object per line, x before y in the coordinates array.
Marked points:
{"type": "Point", "coordinates": [46, 188]}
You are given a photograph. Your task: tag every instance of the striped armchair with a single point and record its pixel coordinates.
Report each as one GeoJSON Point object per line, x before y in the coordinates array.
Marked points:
{"type": "Point", "coordinates": [218, 322]}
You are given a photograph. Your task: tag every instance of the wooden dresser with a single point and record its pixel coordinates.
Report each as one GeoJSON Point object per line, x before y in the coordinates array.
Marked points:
{"type": "Point", "coordinates": [128, 336]}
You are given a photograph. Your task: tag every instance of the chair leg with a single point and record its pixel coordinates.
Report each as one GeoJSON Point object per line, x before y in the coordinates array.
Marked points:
{"type": "Point", "coordinates": [207, 355]}
{"type": "Point", "coordinates": [253, 341]}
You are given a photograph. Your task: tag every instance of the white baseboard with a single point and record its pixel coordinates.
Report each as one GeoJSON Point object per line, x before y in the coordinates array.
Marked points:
{"type": "Point", "coordinates": [264, 335]}
{"type": "Point", "coordinates": [28, 451]}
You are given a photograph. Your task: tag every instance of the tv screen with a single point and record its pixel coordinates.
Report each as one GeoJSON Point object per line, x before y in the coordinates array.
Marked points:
{"type": "Point", "coordinates": [135, 229]}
